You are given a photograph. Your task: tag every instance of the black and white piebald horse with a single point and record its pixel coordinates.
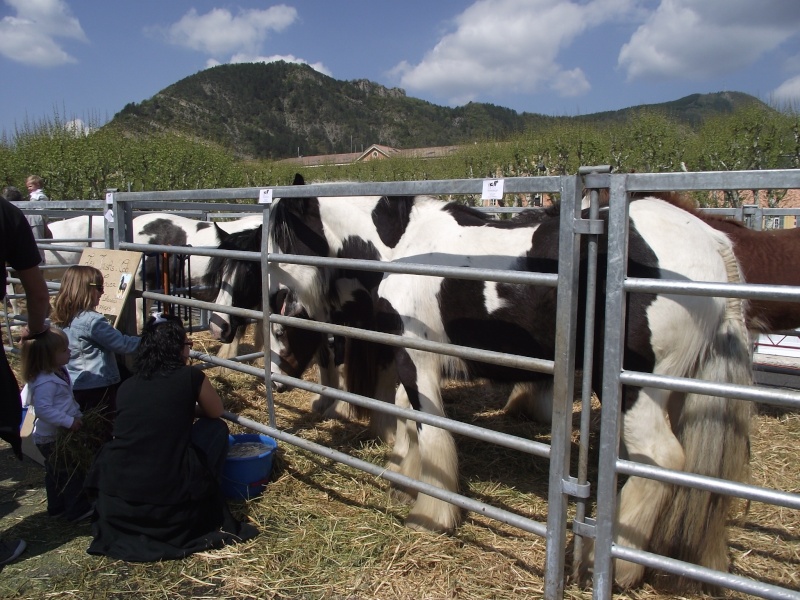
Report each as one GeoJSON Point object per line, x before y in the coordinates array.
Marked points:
{"type": "Point", "coordinates": [75, 228]}
{"type": "Point", "coordinates": [166, 229]}
{"type": "Point", "coordinates": [292, 349]}
{"type": "Point", "coordinates": [355, 227]}
{"type": "Point", "coordinates": [688, 336]}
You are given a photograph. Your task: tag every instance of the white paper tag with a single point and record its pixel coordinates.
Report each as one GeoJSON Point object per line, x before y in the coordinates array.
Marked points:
{"type": "Point", "coordinates": [110, 198]}
{"type": "Point", "coordinates": [109, 215]}
{"type": "Point", "coordinates": [492, 189]}
{"type": "Point", "coordinates": [265, 196]}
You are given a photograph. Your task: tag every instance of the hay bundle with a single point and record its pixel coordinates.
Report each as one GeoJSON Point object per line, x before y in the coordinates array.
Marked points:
{"type": "Point", "coordinates": [74, 451]}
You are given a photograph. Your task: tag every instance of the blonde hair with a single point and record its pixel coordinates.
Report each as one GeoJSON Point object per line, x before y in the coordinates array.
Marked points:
{"type": "Point", "coordinates": [35, 180]}
{"type": "Point", "coordinates": [39, 353]}
{"type": "Point", "coordinates": [75, 295]}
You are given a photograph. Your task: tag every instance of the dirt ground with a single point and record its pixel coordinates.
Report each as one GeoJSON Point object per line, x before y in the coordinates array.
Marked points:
{"type": "Point", "coordinates": [23, 514]}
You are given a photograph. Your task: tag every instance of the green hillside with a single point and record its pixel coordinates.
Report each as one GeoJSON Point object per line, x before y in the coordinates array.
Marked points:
{"type": "Point", "coordinates": [279, 110]}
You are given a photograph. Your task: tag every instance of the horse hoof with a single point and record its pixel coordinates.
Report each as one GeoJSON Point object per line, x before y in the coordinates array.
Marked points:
{"type": "Point", "coordinates": [402, 495]}
{"type": "Point", "coordinates": [320, 404]}
{"type": "Point", "coordinates": [341, 411]}
{"type": "Point", "coordinates": [627, 574]}
{"type": "Point", "coordinates": [426, 524]}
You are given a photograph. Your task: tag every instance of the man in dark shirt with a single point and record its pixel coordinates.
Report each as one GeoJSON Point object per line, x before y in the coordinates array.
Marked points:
{"type": "Point", "coordinates": [18, 249]}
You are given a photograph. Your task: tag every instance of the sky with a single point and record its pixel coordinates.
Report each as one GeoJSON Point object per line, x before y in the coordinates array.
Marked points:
{"type": "Point", "coordinates": [87, 59]}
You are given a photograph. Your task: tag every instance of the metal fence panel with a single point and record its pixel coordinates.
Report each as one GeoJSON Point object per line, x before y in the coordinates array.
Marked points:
{"type": "Point", "coordinates": [563, 486]}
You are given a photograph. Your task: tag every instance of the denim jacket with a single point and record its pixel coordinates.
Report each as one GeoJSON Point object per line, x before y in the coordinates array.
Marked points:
{"type": "Point", "coordinates": [93, 341]}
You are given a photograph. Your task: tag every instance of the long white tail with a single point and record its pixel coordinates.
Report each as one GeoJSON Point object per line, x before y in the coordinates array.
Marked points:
{"type": "Point", "coordinates": [715, 435]}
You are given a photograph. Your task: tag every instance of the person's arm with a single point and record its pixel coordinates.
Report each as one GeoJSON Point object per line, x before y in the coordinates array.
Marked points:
{"type": "Point", "coordinates": [209, 404]}
{"type": "Point", "coordinates": [38, 301]}
{"type": "Point", "coordinates": [109, 338]}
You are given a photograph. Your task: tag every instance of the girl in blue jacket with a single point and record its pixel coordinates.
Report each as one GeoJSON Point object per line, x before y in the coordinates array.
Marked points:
{"type": "Point", "coordinates": [93, 341]}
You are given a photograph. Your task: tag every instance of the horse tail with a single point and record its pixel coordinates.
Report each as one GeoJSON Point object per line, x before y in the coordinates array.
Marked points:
{"type": "Point", "coordinates": [714, 433]}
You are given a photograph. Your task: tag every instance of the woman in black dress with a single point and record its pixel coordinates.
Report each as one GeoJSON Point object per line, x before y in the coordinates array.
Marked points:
{"type": "Point", "coordinates": [157, 481]}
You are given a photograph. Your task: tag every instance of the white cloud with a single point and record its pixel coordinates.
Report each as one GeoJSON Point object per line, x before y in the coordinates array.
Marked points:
{"type": "Point", "coordinates": [509, 46]}
{"type": "Point", "coordinates": [569, 84]}
{"type": "Point", "coordinates": [77, 127]}
{"type": "Point", "coordinates": [219, 32]}
{"type": "Point", "coordinates": [695, 39]}
{"type": "Point", "coordinates": [30, 36]}
{"type": "Point", "coordinates": [788, 91]}
{"type": "Point", "coordinates": [289, 58]}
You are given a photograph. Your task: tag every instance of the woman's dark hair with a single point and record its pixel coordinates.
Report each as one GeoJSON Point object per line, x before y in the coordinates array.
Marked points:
{"type": "Point", "coordinates": [161, 346]}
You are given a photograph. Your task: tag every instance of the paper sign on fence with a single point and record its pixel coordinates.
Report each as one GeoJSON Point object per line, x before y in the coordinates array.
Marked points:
{"type": "Point", "coordinates": [119, 268]}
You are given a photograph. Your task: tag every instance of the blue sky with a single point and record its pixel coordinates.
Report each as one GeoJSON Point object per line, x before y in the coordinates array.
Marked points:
{"type": "Point", "coordinates": [86, 59]}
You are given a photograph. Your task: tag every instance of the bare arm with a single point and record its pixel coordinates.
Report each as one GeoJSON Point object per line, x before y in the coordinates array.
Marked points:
{"type": "Point", "coordinates": [38, 300]}
{"type": "Point", "coordinates": [209, 404]}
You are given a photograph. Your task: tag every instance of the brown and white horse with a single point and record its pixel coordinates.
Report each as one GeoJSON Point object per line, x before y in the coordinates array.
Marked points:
{"type": "Point", "coordinates": [767, 257]}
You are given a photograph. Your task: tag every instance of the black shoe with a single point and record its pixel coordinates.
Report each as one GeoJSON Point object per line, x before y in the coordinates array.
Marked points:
{"type": "Point", "coordinates": [11, 550]}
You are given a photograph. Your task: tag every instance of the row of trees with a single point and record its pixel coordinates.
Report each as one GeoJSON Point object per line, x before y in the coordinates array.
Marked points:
{"type": "Point", "coordinates": [80, 165]}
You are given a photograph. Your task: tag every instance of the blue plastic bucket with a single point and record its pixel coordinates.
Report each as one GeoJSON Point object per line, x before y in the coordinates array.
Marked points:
{"type": "Point", "coordinates": [244, 477]}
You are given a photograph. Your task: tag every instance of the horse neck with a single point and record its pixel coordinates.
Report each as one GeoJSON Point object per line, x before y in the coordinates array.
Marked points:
{"type": "Point", "coordinates": [350, 217]}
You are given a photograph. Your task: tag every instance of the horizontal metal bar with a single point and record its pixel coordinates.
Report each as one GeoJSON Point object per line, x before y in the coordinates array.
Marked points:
{"type": "Point", "coordinates": [194, 303]}
{"type": "Point", "coordinates": [774, 397]}
{"type": "Point", "coordinates": [498, 514]}
{"type": "Point", "coordinates": [51, 285]}
{"type": "Point", "coordinates": [710, 576]}
{"type": "Point", "coordinates": [464, 352]}
{"type": "Point", "coordinates": [710, 484]}
{"type": "Point", "coordinates": [187, 207]}
{"type": "Point", "coordinates": [713, 180]}
{"type": "Point", "coordinates": [546, 184]}
{"type": "Point", "coordinates": [472, 431]}
{"type": "Point", "coordinates": [43, 241]}
{"type": "Point", "coordinates": [60, 248]}
{"type": "Point", "coordinates": [501, 275]}
{"type": "Point", "coordinates": [187, 250]}
{"type": "Point", "coordinates": [229, 364]}
{"type": "Point", "coordinates": [504, 276]}
{"type": "Point", "coordinates": [704, 288]}
{"type": "Point", "coordinates": [503, 439]}
{"type": "Point", "coordinates": [68, 205]}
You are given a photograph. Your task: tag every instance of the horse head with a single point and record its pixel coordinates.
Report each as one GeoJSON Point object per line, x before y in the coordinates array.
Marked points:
{"type": "Point", "coordinates": [238, 281]}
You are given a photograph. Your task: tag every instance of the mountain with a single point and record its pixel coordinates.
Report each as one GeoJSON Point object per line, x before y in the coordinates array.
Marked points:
{"type": "Point", "coordinates": [692, 109]}
{"type": "Point", "coordinates": [279, 110]}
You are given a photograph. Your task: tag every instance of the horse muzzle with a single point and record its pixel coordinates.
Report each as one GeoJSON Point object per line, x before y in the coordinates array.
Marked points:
{"type": "Point", "coordinates": [221, 329]}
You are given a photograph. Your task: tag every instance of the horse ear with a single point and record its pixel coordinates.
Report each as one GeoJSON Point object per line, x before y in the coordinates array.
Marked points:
{"type": "Point", "coordinates": [222, 235]}
{"type": "Point", "coordinates": [298, 179]}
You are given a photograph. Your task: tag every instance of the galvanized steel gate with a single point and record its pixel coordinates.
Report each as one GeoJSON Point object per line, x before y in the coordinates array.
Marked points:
{"type": "Point", "coordinates": [564, 486]}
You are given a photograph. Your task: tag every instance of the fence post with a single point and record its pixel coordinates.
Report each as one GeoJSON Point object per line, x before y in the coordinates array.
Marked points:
{"type": "Point", "coordinates": [563, 385]}
{"type": "Point", "coordinates": [111, 241]}
{"type": "Point", "coordinates": [266, 328]}
{"type": "Point", "coordinates": [611, 394]}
